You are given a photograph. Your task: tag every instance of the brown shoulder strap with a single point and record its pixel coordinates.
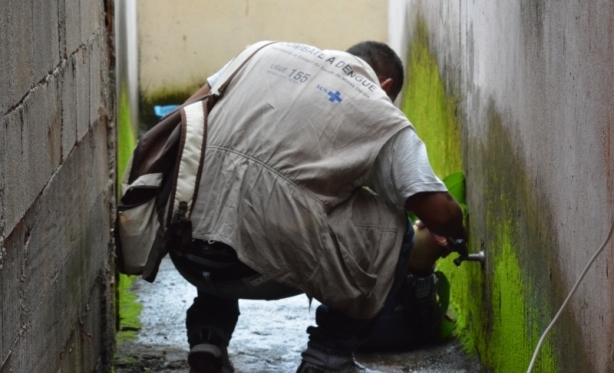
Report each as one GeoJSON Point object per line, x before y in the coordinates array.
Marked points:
{"type": "Point", "coordinates": [233, 68]}
{"type": "Point", "coordinates": [236, 65]}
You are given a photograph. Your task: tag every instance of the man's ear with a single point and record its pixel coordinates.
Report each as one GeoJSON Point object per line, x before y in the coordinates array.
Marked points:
{"type": "Point", "coordinates": [386, 85]}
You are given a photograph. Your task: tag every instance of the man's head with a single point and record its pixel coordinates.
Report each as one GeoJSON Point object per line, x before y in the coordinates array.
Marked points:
{"type": "Point", "coordinates": [384, 61]}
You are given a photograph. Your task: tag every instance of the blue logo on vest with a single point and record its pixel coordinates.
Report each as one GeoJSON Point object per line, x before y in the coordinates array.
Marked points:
{"type": "Point", "coordinates": [335, 96]}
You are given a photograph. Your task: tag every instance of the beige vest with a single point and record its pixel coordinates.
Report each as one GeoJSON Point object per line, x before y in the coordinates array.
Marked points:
{"type": "Point", "coordinates": [295, 129]}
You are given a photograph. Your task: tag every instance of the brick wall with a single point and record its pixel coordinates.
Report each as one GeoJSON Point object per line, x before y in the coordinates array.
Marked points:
{"type": "Point", "coordinates": [56, 185]}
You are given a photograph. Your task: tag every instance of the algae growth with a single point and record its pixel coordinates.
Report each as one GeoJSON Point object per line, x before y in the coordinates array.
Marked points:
{"type": "Point", "coordinates": [523, 276]}
{"type": "Point", "coordinates": [501, 309]}
{"type": "Point", "coordinates": [430, 109]}
{"type": "Point", "coordinates": [510, 327]}
{"type": "Point", "coordinates": [128, 306]}
{"type": "Point", "coordinates": [433, 113]}
{"type": "Point", "coordinates": [129, 310]}
{"type": "Point", "coordinates": [126, 138]}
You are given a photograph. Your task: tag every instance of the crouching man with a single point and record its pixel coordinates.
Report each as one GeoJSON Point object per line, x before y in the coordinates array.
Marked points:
{"type": "Point", "coordinates": [282, 206]}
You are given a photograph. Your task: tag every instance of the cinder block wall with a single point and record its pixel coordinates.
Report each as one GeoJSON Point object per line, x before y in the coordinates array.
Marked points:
{"type": "Point", "coordinates": [56, 186]}
{"type": "Point", "coordinates": [529, 84]}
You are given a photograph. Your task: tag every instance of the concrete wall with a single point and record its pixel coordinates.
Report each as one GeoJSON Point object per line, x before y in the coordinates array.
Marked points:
{"type": "Point", "coordinates": [56, 186]}
{"type": "Point", "coordinates": [531, 86]}
{"type": "Point", "coordinates": [183, 42]}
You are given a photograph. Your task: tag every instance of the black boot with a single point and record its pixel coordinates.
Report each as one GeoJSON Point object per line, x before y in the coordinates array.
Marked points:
{"type": "Point", "coordinates": [209, 355]}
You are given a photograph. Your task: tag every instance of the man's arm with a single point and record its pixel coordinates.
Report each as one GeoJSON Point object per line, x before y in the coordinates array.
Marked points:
{"type": "Point", "coordinates": [440, 212]}
{"type": "Point", "coordinates": [440, 215]}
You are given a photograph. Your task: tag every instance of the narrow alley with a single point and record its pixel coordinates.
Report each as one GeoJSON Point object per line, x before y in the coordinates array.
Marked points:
{"type": "Point", "coordinates": [509, 101]}
{"type": "Point", "coordinates": [269, 337]}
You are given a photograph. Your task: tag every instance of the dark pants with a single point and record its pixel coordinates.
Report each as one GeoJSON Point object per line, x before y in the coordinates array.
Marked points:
{"type": "Point", "coordinates": [216, 308]}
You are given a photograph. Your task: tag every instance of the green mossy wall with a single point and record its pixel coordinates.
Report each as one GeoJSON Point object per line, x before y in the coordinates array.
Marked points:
{"type": "Point", "coordinates": [430, 109]}
{"type": "Point", "coordinates": [512, 217]}
{"type": "Point", "coordinates": [125, 133]}
{"type": "Point", "coordinates": [129, 310]}
{"type": "Point", "coordinates": [504, 307]}
{"type": "Point", "coordinates": [128, 307]}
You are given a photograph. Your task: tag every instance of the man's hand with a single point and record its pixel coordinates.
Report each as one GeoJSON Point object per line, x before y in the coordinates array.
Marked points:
{"type": "Point", "coordinates": [440, 213]}
{"type": "Point", "coordinates": [442, 244]}
{"type": "Point", "coordinates": [441, 223]}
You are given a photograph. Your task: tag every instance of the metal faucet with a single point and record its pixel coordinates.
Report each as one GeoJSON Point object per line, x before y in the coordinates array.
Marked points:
{"type": "Point", "coordinates": [461, 248]}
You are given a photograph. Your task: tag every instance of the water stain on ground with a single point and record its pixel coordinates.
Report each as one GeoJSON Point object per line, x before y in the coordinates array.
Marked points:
{"type": "Point", "coordinates": [269, 337]}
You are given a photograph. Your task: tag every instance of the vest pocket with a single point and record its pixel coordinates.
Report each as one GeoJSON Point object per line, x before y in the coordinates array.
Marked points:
{"type": "Point", "coordinates": [364, 281]}
{"type": "Point", "coordinates": [137, 227]}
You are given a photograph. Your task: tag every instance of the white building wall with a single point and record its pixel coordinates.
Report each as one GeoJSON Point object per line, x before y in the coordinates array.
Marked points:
{"type": "Point", "coordinates": [183, 42]}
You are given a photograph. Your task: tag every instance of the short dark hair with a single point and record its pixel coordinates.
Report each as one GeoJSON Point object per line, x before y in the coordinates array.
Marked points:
{"type": "Point", "coordinates": [382, 59]}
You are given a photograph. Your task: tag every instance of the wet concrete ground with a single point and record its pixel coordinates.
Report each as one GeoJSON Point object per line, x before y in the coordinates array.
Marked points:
{"type": "Point", "coordinates": [268, 339]}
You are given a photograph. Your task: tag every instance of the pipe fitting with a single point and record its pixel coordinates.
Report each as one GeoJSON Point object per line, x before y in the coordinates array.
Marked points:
{"type": "Point", "coordinates": [479, 257]}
